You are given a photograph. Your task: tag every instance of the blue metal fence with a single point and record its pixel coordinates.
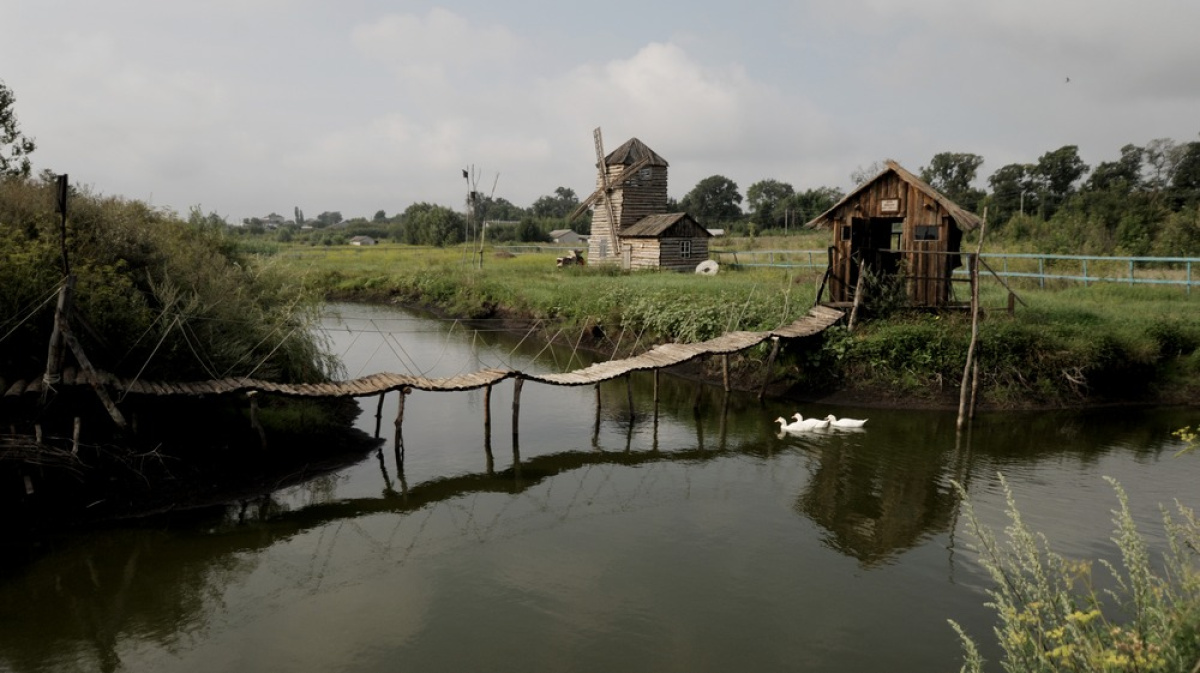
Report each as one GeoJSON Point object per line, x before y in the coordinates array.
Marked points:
{"type": "Point", "coordinates": [1085, 269]}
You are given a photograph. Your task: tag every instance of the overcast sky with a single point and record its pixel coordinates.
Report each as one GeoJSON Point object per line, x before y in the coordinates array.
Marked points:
{"type": "Point", "coordinates": [245, 107]}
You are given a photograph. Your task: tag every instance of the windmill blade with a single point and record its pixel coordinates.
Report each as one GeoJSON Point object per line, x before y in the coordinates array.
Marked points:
{"type": "Point", "coordinates": [630, 171]}
{"type": "Point", "coordinates": [603, 168]}
{"type": "Point", "coordinates": [585, 204]}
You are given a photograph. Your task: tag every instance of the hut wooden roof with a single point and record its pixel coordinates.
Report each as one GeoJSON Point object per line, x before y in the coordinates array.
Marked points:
{"type": "Point", "coordinates": [964, 219]}
{"type": "Point", "coordinates": [656, 225]}
{"type": "Point", "coordinates": [632, 152]}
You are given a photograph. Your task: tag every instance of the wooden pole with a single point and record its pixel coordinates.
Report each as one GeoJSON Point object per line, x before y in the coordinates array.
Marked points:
{"type": "Point", "coordinates": [656, 395]}
{"type": "Point", "coordinates": [974, 276]}
{"type": "Point", "coordinates": [93, 377]}
{"type": "Point", "coordinates": [770, 367]}
{"type": "Point", "coordinates": [516, 411]}
{"type": "Point", "coordinates": [379, 414]}
{"type": "Point", "coordinates": [725, 371]}
{"type": "Point", "coordinates": [398, 437]}
{"type": "Point", "coordinates": [75, 436]}
{"type": "Point", "coordinates": [262, 435]}
{"type": "Point", "coordinates": [596, 427]}
{"type": "Point", "coordinates": [55, 351]}
{"type": "Point", "coordinates": [858, 293]}
{"type": "Point", "coordinates": [487, 418]}
{"type": "Point", "coordinates": [629, 395]}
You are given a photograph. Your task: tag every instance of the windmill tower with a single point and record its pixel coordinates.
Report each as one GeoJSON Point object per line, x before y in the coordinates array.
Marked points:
{"type": "Point", "coordinates": [631, 184]}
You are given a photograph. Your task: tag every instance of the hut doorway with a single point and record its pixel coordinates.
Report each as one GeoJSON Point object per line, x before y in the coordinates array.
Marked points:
{"type": "Point", "coordinates": [874, 242]}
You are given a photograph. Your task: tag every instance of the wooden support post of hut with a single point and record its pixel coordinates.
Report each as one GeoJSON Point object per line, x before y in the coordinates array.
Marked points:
{"type": "Point", "coordinates": [895, 223]}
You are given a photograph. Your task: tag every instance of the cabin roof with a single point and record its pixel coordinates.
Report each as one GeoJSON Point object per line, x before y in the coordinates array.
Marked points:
{"type": "Point", "coordinates": [964, 219]}
{"type": "Point", "coordinates": [632, 152]}
{"type": "Point", "coordinates": [653, 226]}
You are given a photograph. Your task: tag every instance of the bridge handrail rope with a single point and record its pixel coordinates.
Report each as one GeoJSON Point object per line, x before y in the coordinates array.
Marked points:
{"type": "Point", "coordinates": [816, 320]}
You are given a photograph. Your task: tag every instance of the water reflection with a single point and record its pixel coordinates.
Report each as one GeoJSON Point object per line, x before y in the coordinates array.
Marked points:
{"type": "Point", "coordinates": [613, 537]}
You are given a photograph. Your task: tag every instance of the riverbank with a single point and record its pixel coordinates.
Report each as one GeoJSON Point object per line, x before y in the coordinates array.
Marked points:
{"type": "Point", "coordinates": [1063, 347]}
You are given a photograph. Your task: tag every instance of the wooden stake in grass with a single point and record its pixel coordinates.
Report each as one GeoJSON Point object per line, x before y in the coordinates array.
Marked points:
{"type": "Point", "coordinates": [973, 261]}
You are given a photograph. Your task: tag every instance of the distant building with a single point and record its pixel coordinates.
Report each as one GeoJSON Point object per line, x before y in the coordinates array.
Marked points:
{"type": "Point", "coordinates": [568, 236]}
{"type": "Point", "coordinates": [716, 232]}
{"type": "Point", "coordinates": [362, 240]}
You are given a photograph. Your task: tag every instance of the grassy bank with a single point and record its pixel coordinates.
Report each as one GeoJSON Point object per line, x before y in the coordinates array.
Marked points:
{"type": "Point", "coordinates": [1067, 346]}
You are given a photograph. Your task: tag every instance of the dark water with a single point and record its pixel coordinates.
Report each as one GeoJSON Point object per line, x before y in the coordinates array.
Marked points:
{"type": "Point", "coordinates": [702, 542]}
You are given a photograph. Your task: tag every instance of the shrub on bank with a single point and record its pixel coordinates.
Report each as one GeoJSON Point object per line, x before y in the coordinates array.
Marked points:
{"type": "Point", "coordinates": [157, 296]}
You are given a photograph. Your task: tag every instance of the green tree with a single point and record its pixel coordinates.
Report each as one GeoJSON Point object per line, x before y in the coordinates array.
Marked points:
{"type": "Point", "coordinates": [764, 198]}
{"type": "Point", "coordinates": [714, 199]}
{"type": "Point", "coordinates": [952, 173]}
{"type": "Point", "coordinates": [1123, 175]}
{"type": "Point", "coordinates": [528, 231]}
{"type": "Point", "coordinates": [15, 148]}
{"type": "Point", "coordinates": [557, 206]}
{"type": "Point", "coordinates": [1060, 169]}
{"type": "Point", "coordinates": [1014, 190]}
{"type": "Point", "coordinates": [380, 216]}
{"type": "Point", "coordinates": [1185, 183]}
{"type": "Point", "coordinates": [428, 224]}
{"type": "Point", "coordinates": [804, 206]}
{"type": "Point", "coordinates": [329, 218]}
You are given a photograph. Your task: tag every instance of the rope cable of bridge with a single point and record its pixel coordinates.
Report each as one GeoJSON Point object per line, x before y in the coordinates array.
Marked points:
{"type": "Point", "coordinates": [149, 358]}
{"type": "Point", "coordinates": [31, 313]}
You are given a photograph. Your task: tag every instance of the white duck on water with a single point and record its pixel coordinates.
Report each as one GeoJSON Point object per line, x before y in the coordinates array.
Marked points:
{"type": "Point", "coordinates": [845, 422]}
{"type": "Point", "coordinates": [803, 424]}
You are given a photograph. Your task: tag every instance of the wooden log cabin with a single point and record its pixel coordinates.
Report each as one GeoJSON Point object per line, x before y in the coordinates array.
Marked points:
{"type": "Point", "coordinates": [647, 236]}
{"type": "Point", "coordinates": [895, 224]}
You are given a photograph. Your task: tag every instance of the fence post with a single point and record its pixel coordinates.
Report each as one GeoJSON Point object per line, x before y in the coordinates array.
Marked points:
{"type": "Point", "coordinates": [1131, 273]}
{"type": "Point", "coordinates": [1042, 272]}
{"type": "Point", "coordinates": [1085, 277]}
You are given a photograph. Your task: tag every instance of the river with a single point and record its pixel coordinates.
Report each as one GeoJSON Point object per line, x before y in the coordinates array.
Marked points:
{"type": "Point", "coordinates": [695, 541]}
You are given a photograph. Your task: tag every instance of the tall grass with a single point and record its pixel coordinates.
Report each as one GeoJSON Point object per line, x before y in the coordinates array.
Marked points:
{"type": "Point", "coordinates": [1062, 347]}
{"type": "Point", "coordinates": [1053, 618]}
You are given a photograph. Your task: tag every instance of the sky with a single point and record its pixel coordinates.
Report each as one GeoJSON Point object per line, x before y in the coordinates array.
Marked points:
{"type": "Point", "coordinates": [247, 107]}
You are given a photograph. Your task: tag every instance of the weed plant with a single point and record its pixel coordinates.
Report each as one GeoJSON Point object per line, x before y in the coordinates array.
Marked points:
{"type": "Point", "coordinates": [1052, 617]}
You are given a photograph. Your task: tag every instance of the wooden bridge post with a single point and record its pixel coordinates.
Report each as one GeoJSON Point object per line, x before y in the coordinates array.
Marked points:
{"type": "Point", "coordinates": [629, 395]}
{"type": "Point", "coordinates": [398, 439]}
{"type": "Point", "coordinates": [379, 414]}
{"type": "Point", "coordinates": [516, 412]}
{"type": "Point", "coordinates": [487, 428]}
{"type": "Point", "coordinates": [596, 427]}
{"type": "Point", "coordinates": [656, 370]}
{"type": "Point", "coordinates": [725, 370]}
{"type": "Point", "coordinates": [262, 435]}
{"type": "Point", "coordinates": [770, 367]}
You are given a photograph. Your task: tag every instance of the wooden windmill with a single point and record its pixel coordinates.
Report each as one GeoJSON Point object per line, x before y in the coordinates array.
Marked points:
{"type": "Point", "coordinates": [618, 174]}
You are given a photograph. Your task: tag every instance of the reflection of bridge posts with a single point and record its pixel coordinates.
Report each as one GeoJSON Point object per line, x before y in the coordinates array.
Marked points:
{"type": "Point", "coordinates": [596, 426]}
{"type": "Point", "coordinates": [379, 413]}
{"type": "Point", "coordinates": [724, 418]}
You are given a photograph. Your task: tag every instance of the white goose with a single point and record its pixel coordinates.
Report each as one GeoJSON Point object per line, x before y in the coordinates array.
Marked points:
{"type": "Point", "coordinates": [845, 422]}
{"type": "Point", "coordinates": [807, 424]}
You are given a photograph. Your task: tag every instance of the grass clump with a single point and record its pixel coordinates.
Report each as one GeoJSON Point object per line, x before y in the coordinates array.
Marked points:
{"type": "Point", "coordinates": [1053, 618]}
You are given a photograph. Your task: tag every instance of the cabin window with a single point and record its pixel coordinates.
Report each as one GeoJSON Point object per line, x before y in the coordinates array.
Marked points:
{"type": "Point", "coordinates": [926, 232]}
{"type": "Point", "coordinates": [685, 249]}
{"type": "Point", "coordinates": [845, 232]}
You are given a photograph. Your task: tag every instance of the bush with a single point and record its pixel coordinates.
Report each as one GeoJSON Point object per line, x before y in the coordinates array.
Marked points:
{"type": "Point", "coordinates": [1053, 619]}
